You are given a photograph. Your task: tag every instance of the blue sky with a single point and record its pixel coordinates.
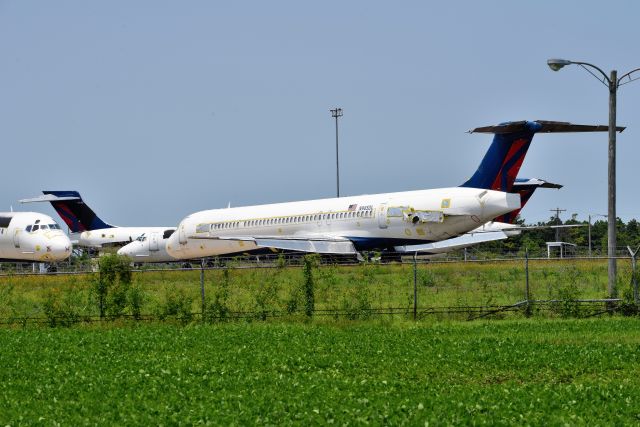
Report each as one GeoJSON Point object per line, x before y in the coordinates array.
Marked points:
{"type": "Point", "coordinates": [153, 110]}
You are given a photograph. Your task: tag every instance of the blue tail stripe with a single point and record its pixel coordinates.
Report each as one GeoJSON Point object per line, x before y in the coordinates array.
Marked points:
{"type": "Point", "coordinates": [495, 160]}
{"type": "Point", "coordinates": [75, 213]}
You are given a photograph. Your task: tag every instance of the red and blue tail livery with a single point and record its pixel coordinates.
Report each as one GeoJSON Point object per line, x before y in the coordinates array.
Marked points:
{"type": "Point", "coordinates": [499, 167]}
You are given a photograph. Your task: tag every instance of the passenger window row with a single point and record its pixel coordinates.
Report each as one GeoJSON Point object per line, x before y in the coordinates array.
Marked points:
{"type": "Point", "coordinates": [203, 228]}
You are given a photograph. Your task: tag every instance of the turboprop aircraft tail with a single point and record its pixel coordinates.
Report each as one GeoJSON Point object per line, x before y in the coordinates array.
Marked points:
{"type": "Point", "coordinates": [500, 166]}
{"type": "Point", "coordinates": [74, 212]}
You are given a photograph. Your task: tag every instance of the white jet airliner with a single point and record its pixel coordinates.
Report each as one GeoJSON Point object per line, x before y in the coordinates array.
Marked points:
{"type": "Point", "coordinates": [383, 221]}
{"type": "Point", "coordinates": [91, 231]}
{"type": "Point", "coordinates": [32, 236]}
{"type": "Point", "coordinates": [340, 226]}
{"type": "Point", "coordinates": [143, 250]}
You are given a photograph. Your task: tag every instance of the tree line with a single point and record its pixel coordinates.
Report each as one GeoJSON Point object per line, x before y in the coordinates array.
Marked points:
{"type": "Point", "coordinates": [628, 234]}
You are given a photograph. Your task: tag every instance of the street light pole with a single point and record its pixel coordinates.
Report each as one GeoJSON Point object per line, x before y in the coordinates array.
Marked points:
{"type": "Point", "coordinates": [336, 113]}
{"type": "Point", "coordinates": [612, 240]}
{"type": "Point", "coordinates": [612, 82]}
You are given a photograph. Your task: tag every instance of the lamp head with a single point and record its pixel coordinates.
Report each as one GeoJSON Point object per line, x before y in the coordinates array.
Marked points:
{"type": "Point", "coordinates": [556, 64]}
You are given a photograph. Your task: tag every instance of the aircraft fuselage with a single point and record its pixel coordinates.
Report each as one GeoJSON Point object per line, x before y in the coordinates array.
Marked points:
{"type": "Point", "coordinates": [370, 221]}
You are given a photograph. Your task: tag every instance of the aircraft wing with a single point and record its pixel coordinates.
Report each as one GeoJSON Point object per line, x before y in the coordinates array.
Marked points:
{"type": "Point", "coordinates": [317, 244]}
{"type": "Point", "coordinates": [454, 243]}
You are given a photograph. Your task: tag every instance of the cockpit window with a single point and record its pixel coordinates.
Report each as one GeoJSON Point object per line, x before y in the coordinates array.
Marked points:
{"type": "Point", "coordinates": [44, 227]}
{"type": "Point", "coordinates": [28, 228]}
{"type": "Point", "coordinates": [167, 234]}
{"type": "Point", "coordinates": [141, 238]}
{"type": "Point", "coordinates": [35, 227]}
{"type": "Point", "coordinates": [4, 221]}
{"type": "Point", "coordinates": [54, 227]}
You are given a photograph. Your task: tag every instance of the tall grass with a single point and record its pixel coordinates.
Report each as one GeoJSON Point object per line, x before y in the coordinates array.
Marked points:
{"type": "Point", "coordinates": [349, 290]}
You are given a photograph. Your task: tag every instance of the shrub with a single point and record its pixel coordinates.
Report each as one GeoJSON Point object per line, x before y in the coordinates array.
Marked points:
{"type": "Point", "coordinates": [136, 299]}
{"type": "Point", "coordinates": [61, 312]}
{"type": "Point", "coordinates": [177, 304]}
{"type": "Point", "coordinates": [266, 299]}
{"type": "Point", "coordinates": [218, 310]}
{"type": "Point", "coordinates": [566, 304]}
{"type": "Point", "coordinates": [357, 304]}
{"type": "Point", "coordinates": [112, 284]}
{"type": "Point", "coordinates": [310, 263]}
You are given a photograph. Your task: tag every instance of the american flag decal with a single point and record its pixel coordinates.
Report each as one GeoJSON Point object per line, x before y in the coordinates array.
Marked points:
{"type": "Point", "coordinates": [353, 207]}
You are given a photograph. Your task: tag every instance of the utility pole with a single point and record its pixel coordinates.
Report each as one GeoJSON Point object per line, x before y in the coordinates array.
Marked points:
{"type": "Point", "coordinates": [557, 211]}
{"type": "Point", "coordinates": [337, 113]}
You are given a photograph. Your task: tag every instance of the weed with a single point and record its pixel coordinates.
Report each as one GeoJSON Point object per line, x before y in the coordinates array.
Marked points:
{"type": "Point", "coordinates": [177, 304]}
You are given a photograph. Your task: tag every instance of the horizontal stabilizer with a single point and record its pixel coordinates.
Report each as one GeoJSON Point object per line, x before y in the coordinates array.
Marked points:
{"type": "Point", "coordinates": [545, 126]}
{"type": "Point", "coordinates": [49, 198]}
{"type": "Point", "coordinates": [533, 183]}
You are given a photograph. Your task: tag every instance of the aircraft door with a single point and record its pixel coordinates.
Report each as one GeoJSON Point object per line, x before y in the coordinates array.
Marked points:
{"type": "Point", "coordinates": [153, 242]}
{"type": "Point", "coordinates": [16, 238]}
{"type": "Point", "coordinates": [382, 216]}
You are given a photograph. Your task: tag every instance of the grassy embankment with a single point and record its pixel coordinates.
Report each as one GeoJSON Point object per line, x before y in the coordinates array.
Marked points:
{"type": "Point", "coordinates": [544, 372]}
{"type": "Point", "coordinates": [350, 289]}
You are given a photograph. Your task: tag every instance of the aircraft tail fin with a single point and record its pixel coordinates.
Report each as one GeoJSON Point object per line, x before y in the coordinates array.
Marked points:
{"type": "Point", "coordinates": [74, 212]}
{"type": "Point", "coordinates": [500, 166]}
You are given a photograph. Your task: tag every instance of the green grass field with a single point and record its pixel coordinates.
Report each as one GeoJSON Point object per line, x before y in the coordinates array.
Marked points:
{"type": "Point", "coordinates": [351, 289]}
{"type": "Point", "coordinates": [527, 372]}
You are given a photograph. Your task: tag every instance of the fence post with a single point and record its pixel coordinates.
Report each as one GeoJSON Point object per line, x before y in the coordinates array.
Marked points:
{"type": "Point", "coordinates": [202, 287]}
{"type": "Point", "coordinates": [527, 295]}
{"type": "Point", "coordinates": [634, 278]}
{"type": "Point", "coordinates": [415, 285]}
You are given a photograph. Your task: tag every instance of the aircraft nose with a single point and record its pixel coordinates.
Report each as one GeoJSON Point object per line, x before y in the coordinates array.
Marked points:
{"type": "Point", "coordinates": [124, 251]}
{"type": "Point", "coordinates": [59, 248]}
